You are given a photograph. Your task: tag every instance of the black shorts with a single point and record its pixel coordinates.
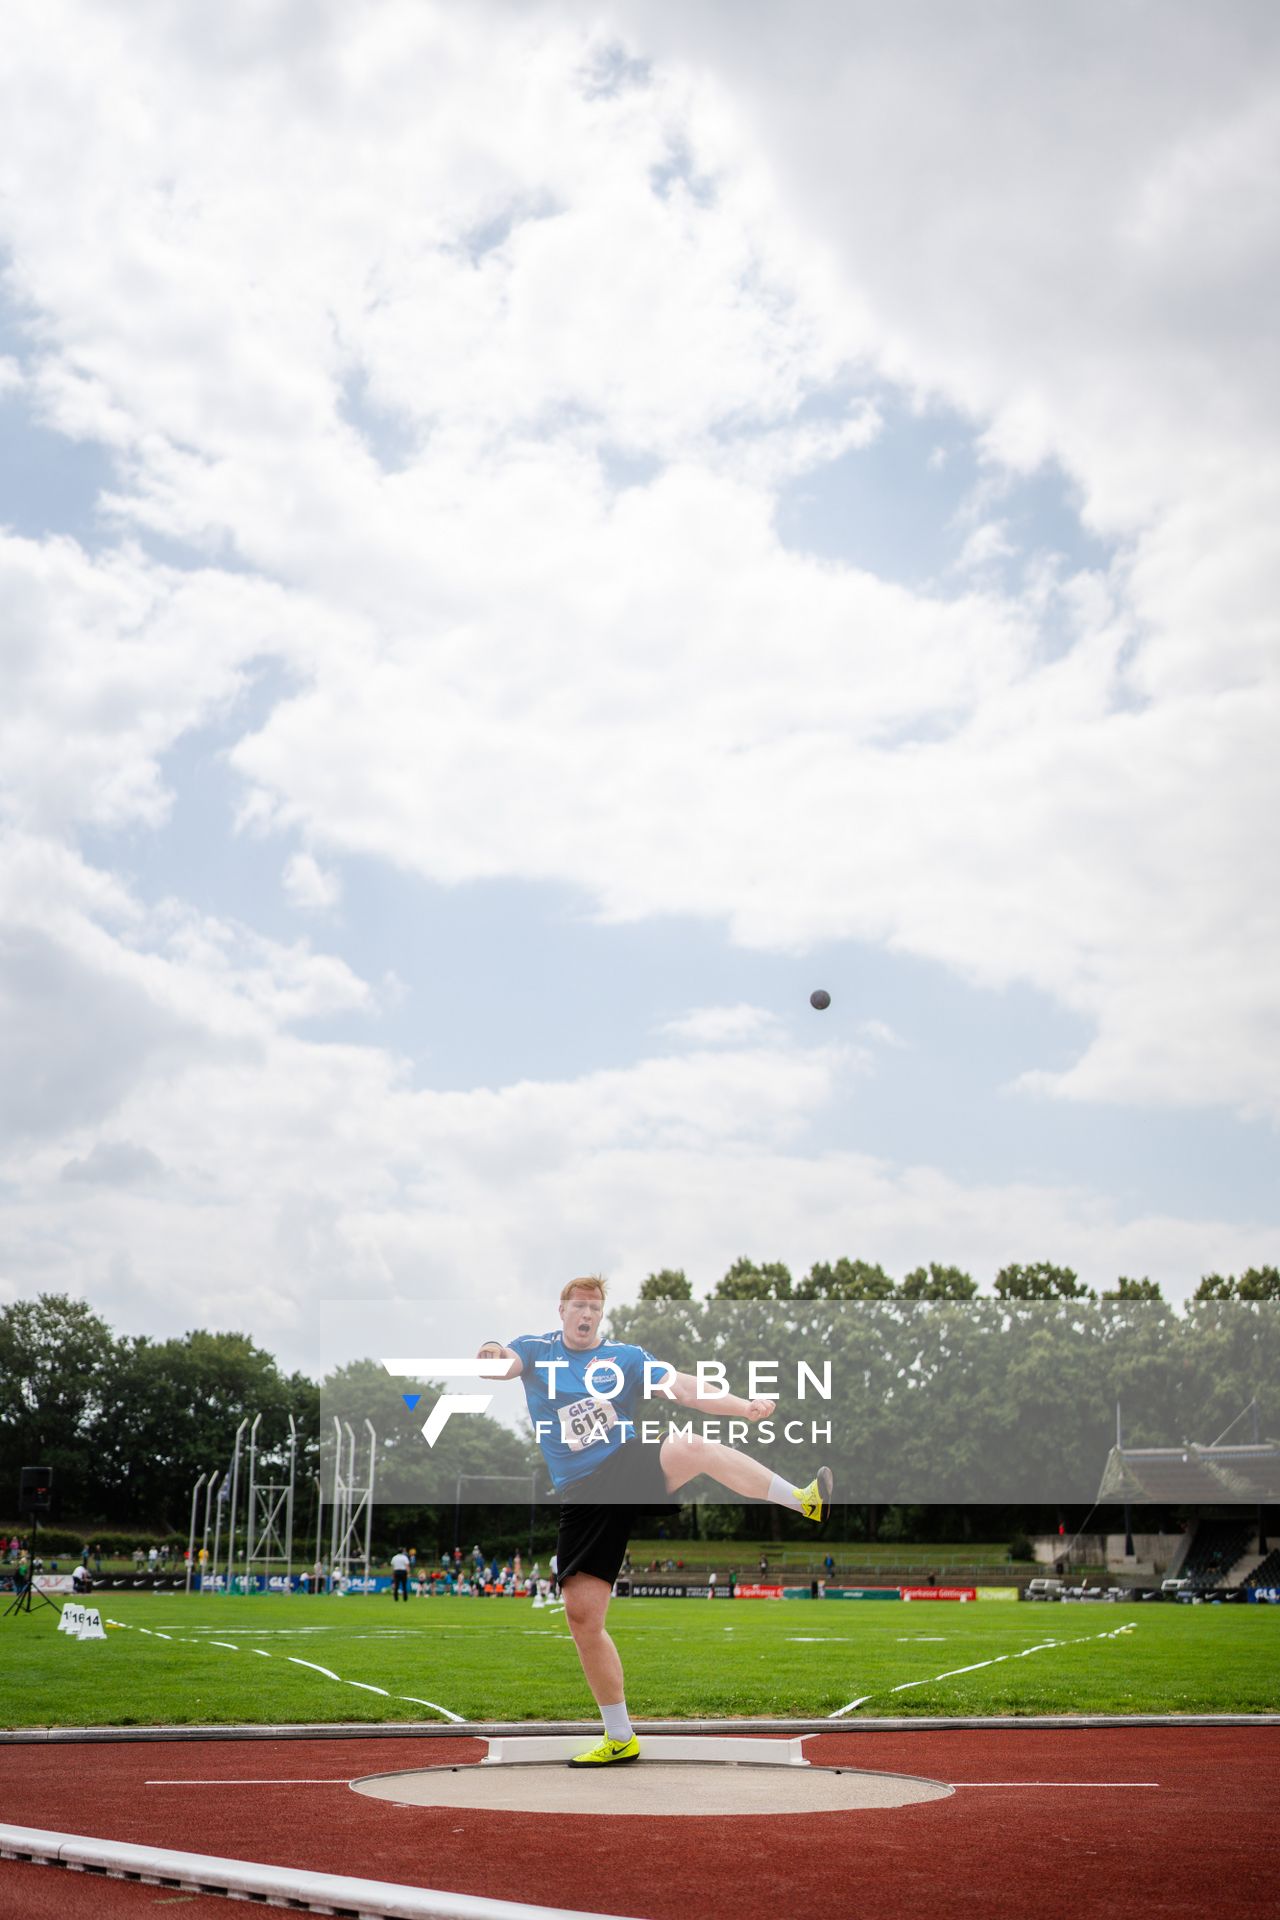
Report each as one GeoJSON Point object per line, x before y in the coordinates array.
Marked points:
{"type": "Point", "coordinates": [600, 1512]}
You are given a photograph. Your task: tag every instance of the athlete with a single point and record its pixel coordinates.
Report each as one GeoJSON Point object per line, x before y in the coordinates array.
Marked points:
{"type": "Point", "coordinates": [583, 1426]}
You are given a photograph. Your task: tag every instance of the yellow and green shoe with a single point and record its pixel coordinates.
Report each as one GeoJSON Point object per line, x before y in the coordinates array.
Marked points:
{"type": "Point", "coordinates": [608, 1754]}
{"type": "Point", "coordinates": [816, 1497]}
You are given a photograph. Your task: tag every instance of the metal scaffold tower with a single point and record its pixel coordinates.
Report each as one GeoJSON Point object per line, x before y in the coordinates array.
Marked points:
{"type": "Point", "coordinates": [260, 1538]}
{"type": "Point", "coordinates": [270, 1516]}
{"type": "Point", "coordinates": [352, 1503]}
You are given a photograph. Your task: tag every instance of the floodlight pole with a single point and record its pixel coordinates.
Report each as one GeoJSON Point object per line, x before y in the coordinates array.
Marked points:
{"type": "Point", "coordinates": [319, 1524]}
{"type": "Point", "coordinates": [217, 1536]}
{"type": "Point", "coordinates": [368, 1502]}
{"type": "Point", "coordinates": [337, 1498]}
{"type": "Point", "coordinates": [293, 1466]}
{"type": "Point", "coordinates": [204, 1536]}
{"type": "Point", "coordinates": [251, 1522]}
{"type": "Point", "coordinates": [349, 1490]}
{"type": "Point", "coordinates": [235, 1491]}
{"type": "Point", "coordinates": [191, 1540]}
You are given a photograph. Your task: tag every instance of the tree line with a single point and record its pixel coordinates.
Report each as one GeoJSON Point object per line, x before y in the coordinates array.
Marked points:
{"type": "Point", "coordinates": [846, 1279]}
{"type": "Point", "coordinates": [932, 1370]}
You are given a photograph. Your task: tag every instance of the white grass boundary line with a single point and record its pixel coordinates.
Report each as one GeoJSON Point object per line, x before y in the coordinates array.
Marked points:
{"type": "Point", "coordinates": [312, 1892]}
{"type": "Point", "coordinates": [1041, 1646]}
{"type": "Point", "coordinates": [365, 1686]}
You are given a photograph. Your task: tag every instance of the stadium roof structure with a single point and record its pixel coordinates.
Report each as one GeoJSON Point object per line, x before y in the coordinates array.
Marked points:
{"type": "Point", "coordinates": [1193, 1476]}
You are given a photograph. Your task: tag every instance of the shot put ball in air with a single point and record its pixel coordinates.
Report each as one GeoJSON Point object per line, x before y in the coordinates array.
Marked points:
{"type": "Point", "coordinates": [820, 999]}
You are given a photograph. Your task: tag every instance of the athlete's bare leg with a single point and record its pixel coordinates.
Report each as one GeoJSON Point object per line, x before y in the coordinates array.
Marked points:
{"type": "Point", "coordinates": [586, 1601]}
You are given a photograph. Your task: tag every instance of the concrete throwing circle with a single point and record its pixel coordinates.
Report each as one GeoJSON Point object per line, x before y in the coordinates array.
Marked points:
{"type": "Point", "coordinates": [657, 1787]}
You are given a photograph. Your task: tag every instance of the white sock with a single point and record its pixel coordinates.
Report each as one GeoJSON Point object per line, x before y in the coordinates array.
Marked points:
{"type": "Point", "coordinates": [783, 1494]}
{"type": "Point", "coordinates": [617, 1721]}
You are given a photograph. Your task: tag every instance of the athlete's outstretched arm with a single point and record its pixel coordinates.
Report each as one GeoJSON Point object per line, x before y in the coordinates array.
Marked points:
{"type": "Point", "coordinates": [494, 1350]}
{"type": "Point", "coordinates": [684, 1391]}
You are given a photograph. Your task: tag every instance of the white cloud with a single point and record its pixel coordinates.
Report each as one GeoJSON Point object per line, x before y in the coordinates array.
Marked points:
{"type": "Point", "coordinates": [718, 1026]}
{"type": "Point", "coordinates": [308, 885]}
{"type": "Point", "coordinates": [881, 1033]}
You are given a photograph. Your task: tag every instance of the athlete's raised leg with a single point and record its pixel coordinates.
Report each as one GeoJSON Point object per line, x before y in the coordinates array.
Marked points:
{"type": "Point", "coordinates": [685, 1456]}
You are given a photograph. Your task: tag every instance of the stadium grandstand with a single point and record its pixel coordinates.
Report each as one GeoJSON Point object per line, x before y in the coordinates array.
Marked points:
{"type": "Point", "coordinates": [1232, 1487]}
{"type": "Point", "coordinates": [1190, 1476]}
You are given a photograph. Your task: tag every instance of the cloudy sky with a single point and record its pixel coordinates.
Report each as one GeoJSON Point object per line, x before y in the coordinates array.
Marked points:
{"type": "Point", "coordinates": [533, 536]}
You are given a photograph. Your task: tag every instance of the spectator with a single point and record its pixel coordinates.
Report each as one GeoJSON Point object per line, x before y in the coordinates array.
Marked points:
{"type": "Point", "coordinates": [733, 1582]}
{"type": "Point", "coordinates": [400, 1575]}
{"type": "Point", "coordinates": [80, 1581]}
{"type": "Point", "coordinates": [97, 1559]}
{"type": "Point", "coordinates": [830, 1566]}
{"type": "Point", "coordinates": [764, 1566]}
{"type": "Point", "coordinates": [711, 1584]}
{"type": "Point", "coordinates": [153, 1555]}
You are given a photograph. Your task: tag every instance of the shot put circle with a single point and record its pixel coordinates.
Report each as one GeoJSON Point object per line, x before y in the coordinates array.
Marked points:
{"type": "Point", "coordinates": [820, 999]}
{"type": "Point", "coordinates": [657, 1788]}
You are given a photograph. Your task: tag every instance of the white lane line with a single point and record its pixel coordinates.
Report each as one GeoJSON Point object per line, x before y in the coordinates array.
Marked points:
{"type": "Point", "coordinates": [282, 1780]}
{"type": "Point", "coordinates": [1054, 1783]}
{"type": "Point", "coordinates": [459, 1719]}
{"type": "Point", "coordinates": [1041, 1646]}
{"type": "Point", "coordinates": [328, 1672]}
{"type": "Point", "coordinates": [412, 1699]}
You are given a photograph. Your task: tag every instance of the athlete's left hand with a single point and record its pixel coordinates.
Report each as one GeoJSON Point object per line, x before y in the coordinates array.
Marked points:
{"type": "Point", "coordinates": [760, 1409]}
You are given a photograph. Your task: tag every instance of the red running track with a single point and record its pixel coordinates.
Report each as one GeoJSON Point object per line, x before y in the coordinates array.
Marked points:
{"type": "Point", "coordinates": [1037, 1816]}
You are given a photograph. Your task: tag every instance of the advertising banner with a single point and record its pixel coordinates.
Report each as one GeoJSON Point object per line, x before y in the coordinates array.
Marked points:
{"type": "Point", "coordinates": [939, 1593]}
{"type": "Point", "coordinates": [998, 1593]}
{"type": "Point", "coordinates": [843, 1593]}
{"type": "Point", "coordinates": [53, 1583]}
{"type": "Point", "coordinates": [660, 1590]}
{"type": "Point", "coordinates": [754, 1591]}
{"type": "Point", "coordinates": [863, 1593]}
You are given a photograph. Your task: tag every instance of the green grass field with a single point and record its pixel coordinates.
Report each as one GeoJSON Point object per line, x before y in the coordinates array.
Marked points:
{"type": "Point", "coordinates": [227, 1660]}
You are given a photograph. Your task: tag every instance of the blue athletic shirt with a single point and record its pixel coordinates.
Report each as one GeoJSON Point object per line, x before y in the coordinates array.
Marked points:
{"type": "Point", "coordinates": [582, 1428]}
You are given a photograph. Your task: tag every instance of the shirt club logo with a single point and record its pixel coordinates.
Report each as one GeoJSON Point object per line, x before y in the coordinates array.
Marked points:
{"type": "Point", "coordinates": [448, 1403]}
